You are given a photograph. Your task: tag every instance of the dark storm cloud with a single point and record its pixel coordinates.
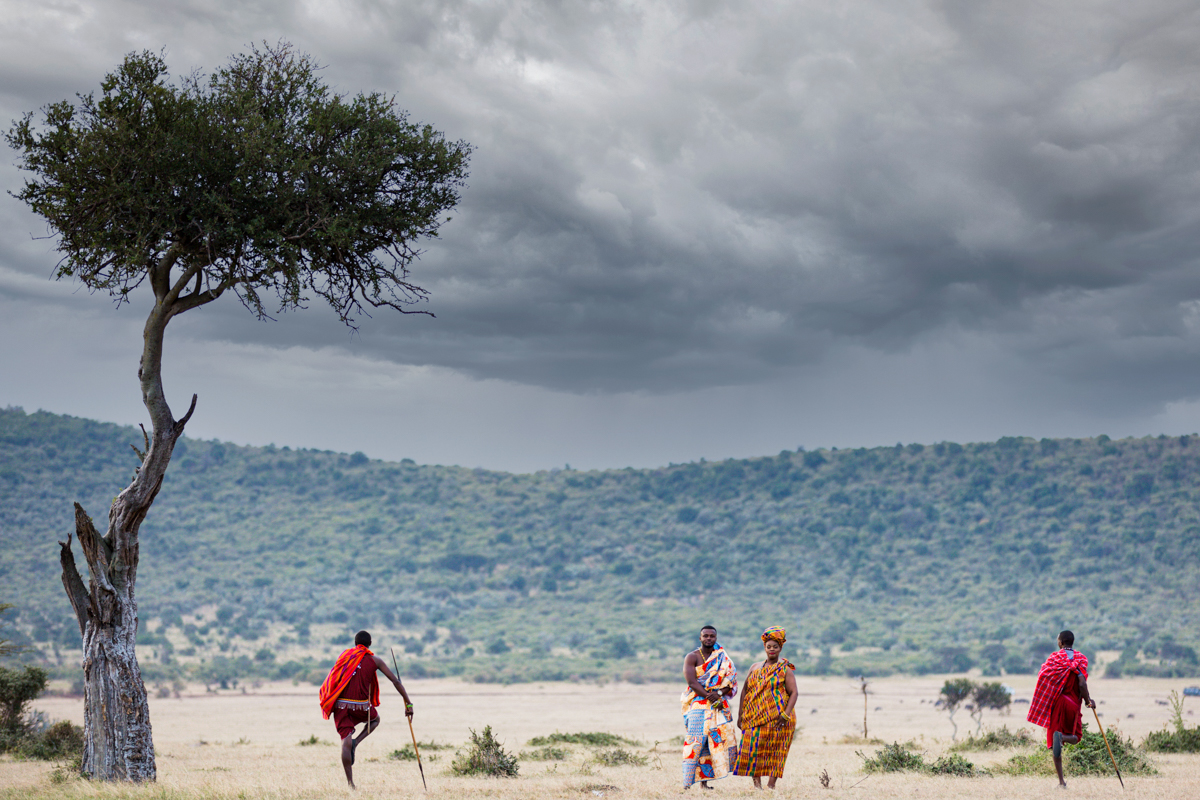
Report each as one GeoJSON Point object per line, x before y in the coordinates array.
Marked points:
{"type": "Point", "coordinates": [677, 195]}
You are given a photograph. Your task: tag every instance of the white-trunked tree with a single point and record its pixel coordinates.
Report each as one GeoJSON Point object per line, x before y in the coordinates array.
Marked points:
{"type": "Point", "coordinates": [256, 181]}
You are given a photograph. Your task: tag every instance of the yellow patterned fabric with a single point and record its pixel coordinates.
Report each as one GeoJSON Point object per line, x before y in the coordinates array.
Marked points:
{"type": "Point", "coordinates": [775, 632]}
{"type": "Point", "coordinates": [765, 741]}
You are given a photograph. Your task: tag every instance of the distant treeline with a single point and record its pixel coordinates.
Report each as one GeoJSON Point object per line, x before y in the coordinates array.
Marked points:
{"type": "Point", "coordinates": [908, 558]}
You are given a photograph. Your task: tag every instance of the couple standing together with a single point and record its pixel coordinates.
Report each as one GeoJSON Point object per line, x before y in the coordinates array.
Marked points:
{"type": "Point", "coordinates": [765, 712]}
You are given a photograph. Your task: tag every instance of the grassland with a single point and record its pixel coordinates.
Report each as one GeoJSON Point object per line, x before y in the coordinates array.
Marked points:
{"type": "Point", "coordinates": [247, 746]}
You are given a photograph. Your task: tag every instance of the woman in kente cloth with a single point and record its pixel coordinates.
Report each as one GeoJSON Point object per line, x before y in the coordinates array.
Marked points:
{"type": "Point", "coordinates": [766, 714]}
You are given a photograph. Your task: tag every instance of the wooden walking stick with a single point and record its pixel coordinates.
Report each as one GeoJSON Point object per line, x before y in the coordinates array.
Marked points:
{"type": "Point", "coordinates": [412, 733]}
{"type": "Point", "coordinates": [1106, 744]}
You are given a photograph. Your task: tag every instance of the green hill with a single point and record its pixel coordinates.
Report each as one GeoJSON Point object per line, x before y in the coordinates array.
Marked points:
{"type": "Point", "coordinates": [262, 561]}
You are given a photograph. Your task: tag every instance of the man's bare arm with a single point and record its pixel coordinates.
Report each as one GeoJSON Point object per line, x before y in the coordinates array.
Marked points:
{"type": "Point", "coordinates": [382, 666]}
{"type": "Point", "coordinates": [1083, 691]}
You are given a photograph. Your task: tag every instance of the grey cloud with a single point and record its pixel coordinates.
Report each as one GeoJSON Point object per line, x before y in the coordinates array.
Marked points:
{"type": "Point", "coordinates": [669, 196]}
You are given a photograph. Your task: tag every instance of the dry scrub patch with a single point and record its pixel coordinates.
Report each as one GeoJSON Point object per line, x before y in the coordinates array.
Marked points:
{"type": "Point", "coordinates": [197, 739]}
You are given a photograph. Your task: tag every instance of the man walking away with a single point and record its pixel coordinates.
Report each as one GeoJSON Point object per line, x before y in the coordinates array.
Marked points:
{"type": "Point", "coordinates": [1059, 697]}
{"type": "Point", "coordinates": [351, 693]}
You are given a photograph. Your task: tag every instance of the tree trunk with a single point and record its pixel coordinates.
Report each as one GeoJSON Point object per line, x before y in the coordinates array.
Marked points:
{"type": "Point", "coordinates": [118, 742]}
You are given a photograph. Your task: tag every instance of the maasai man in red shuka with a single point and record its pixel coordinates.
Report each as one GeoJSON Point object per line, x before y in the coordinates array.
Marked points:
{"type": "Point", "coordinates": [1059, 697]}
{"type": "Point", "coordinates": [351, 693]}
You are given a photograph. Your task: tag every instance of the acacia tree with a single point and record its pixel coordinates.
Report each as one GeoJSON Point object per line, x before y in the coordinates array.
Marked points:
{"type": "Point", "coordinates": [988, 696]}
{"type": "Point", "coordinates": [954, 693]}
{"type": "Point", "coordinates": [256, 181]}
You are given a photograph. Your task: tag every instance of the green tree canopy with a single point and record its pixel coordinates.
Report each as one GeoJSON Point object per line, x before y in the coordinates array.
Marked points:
{"type": "Point", "coordinates": [255, 179]}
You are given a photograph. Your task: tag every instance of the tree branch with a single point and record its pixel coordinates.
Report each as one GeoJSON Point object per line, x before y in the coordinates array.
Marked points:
{"type": "Point", "coordinates": [160, 273]}
{"type": "Point", "coordinates": [181, 283]}
{"type": "Point", "coordinates": [98, 553]}
{"type": "Point", "coordinates": [184, 421]}
{"type": "Point", "coordinates": [76, 592]}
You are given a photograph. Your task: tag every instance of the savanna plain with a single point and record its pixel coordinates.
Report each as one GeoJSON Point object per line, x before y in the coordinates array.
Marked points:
{"type": "Point", "coordinates": [270, 742]}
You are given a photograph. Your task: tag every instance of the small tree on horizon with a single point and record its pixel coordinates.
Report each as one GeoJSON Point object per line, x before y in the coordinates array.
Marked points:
{"type": "Point", "coordinates": [954, 693]}
{"type": "Point", "coordinates": [256, 181]}
{"type": "Point", "coordinates": [988, 696]}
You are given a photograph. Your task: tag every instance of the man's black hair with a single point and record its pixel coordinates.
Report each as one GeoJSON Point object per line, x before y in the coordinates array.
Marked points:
{"type": "Point", "coordinates": [1067, 638]}
{"type": "Point", "coordinates": [363, 638]}
{"type": "Point", "coordinates": [708, 628]}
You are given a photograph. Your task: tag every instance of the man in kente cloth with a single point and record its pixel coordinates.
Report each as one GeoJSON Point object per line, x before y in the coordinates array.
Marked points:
{"type": "Point", "coordinates": [351, 692]}
{"type": "Point", "coordinates": [766, 714]}
{"type": "Point", "coordinates": [1059, 697]}
{"type": "Point", "coordinates": [710, 744]}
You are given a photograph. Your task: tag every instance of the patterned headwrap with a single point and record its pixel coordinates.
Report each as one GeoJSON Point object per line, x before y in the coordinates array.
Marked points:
{"type": "Point", "coordinates": [774, 632]}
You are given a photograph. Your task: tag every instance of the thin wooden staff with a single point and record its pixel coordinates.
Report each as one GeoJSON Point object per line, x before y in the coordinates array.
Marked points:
{"type": "Point", "coordinates": [1106, 744]}
{"type": "Point", "coordinates": [412, 733]}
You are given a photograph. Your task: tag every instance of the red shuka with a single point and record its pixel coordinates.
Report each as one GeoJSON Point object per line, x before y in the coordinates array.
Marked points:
{"type": "Point", "coordinates": [1059, 669]}
{"type": "Point", "coordinates": [338, 678]}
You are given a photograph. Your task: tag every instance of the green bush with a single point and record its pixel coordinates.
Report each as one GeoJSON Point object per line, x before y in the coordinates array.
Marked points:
{"type": "Point", "coordinates": [1168, 741]}
{"type": "Point", "coordinates": [62, 740]}
{"type": "Point", "coordinates": [1180, 740]}
{"type": "Point", "coordinates": [485, 756]}
{"type": "Point", "coordinates": [1089, 757]}
{"type": "Point", "coordinates": [894, 757]}
{"type": "Point", "coordinates": [618, 757]}
{"type": "Point", "coordinates": [995, 740]}
{"type": "Point", "coordinates": [953, 764]}
{"type": "Point", "coordinates": [18, 688]}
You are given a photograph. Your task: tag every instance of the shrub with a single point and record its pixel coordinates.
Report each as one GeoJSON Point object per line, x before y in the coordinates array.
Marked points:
{"type": "Point", "coordinates": [618, 756]}
{"type": "Point", "coordinates": [894, 757]}
{"type": "Point", "coordinates": [1168, 741]}
{"type": "Point", "coordinates": [953, 764]}
{"type": "Point", "coordinates": [485, 756]}
{"type": "Point", "coordinates": [1089, 757]}
{"type": "Point", "coordinates": [996, 740]}
{"type": "Point", "coordinates": [62, 740]}
{"type": "Point", "coordinates": [18, 688]}
{"type": "Point", "coordinates": [1180, 740]}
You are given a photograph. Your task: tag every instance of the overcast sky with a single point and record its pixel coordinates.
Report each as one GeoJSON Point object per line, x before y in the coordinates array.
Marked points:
{"type": "Point", "coordinates": [692, 229]}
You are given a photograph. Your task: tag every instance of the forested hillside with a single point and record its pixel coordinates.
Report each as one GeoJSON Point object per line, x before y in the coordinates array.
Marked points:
{"type": "Point", "coordinates": [263, 561]}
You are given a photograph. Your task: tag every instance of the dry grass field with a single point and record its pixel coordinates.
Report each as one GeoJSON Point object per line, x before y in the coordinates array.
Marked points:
{"type": "Point", "coordinates": [246, 746]}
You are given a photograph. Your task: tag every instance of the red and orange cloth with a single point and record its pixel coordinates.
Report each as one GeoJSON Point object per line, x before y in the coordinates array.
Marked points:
{"type": "Point", "coordinates": [1052, 679]}
{"type": "Point", "coordinates": [339, 677]}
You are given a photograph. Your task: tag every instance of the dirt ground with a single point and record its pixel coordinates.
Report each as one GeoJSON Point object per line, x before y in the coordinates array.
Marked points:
{"type": "Point", "coordinates": [236, 745]}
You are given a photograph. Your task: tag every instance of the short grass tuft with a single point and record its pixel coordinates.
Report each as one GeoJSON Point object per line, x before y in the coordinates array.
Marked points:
{"type": "Point", "coordinates": [1001, 739]}
{"type": "Point", "coordinates": [620, 757]}
{"type": "Point", "coordinates": [595, 739]}
{"type": "Point", "coordinates": [407, 753]}
{"type": "Point", "coordinates": [548, 753]}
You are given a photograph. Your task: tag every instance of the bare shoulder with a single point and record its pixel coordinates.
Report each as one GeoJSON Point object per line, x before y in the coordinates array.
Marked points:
{"type": "Point", "coordinates": [690, 659]}
{"type": "Point", "coordinates": [753, 668]}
